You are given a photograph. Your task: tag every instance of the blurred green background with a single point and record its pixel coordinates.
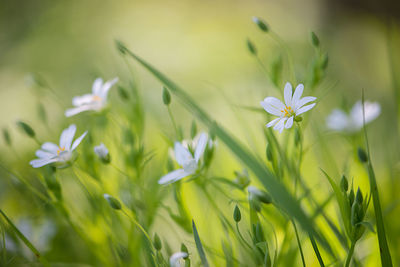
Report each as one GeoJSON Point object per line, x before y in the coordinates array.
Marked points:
{"type": "Point", "coordinates": [202, 46]}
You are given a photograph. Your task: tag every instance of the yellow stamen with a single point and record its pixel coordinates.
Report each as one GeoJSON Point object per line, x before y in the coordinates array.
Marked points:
{"type": "Point", "coordinates": [96, 98]}
{"type": "Point", "coordinates": [60, 149]}
{"type": "Point", "coordinates": [288, 111]}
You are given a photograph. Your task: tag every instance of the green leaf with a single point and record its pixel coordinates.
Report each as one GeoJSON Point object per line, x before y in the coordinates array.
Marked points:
{"type": "Point", "coordinates": [277, 190]}
{"type": "Point", "coordinates": [199, 246]}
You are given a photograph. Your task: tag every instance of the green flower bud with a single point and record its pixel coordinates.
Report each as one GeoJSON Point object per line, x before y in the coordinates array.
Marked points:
{"type": "Point", "coordinates": [237, 216]}
{"type": "Point", "coordinates": [7, 137]}
{"type": "Point", "coordinates": [113, 202]}
{"type": "Point", "coordinates": [262, 25]}
{"type": "Point", "coordinates": [314, 39]}
{"type": "Point", "coordinates": [166, 96]}
{"type": "Point", "coordinates": [251, 47]}
{"type": "Point", "coordinates": [259, 233]}
{"type": "Point", "coordinates": [269, 153]}
{"type": "Point", "coordinates": [362, 156]}
{"type": "Point", "coordinates": [344, 184]}
{"type": "Point", "coordinates": [26, 129]}
{"type": "Point", "coordinates": [359, 196]}
{"type": "Point", "coordinates": [123, 94]}
{"type": "Point", "coordinates": [355, 214]}
{"type": "Point", "coordinates": [185, 249]}
{"type": "Point", "coordinates": [351, 197]}
{"type": "Point", "coordinates": [157, 242]}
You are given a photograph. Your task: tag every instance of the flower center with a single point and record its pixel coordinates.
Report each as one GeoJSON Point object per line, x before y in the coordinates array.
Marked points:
{"type": "Point", "coordinates": [288, 111]}
{"type": "Point", "coordinates": [60, 149]}
{"type": "Point", "coordinates": [96, 98]}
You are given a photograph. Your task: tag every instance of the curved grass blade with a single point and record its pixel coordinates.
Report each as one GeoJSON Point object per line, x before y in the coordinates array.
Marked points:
{"type": "Point", "coordinates": [199, 246]}
{"type": "Point", "coordinates": [276, 189]}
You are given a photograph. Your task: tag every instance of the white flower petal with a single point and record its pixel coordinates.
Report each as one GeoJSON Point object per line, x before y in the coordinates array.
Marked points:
{"type": "Point", "coordinates": [297, 94]}
{"type": "Point", "coordinates": [372, 111]}
{"type": "Point", "coordinates": [78, 141]}
{"type": "Point", "coordinates": [304, 109]}
{"type": "Point", "coordinates": [182, 155]}
{"type": "Point", "coordinates": [73, 111]}
{"type": "Point", "coordinates": [50, 147]}
{"type": "Point", "coordinates": [201, 146]}
{"type": "Point", "coordinates": [101, 151]}
{"type": "Point", "coordinates": [173, 176]}
{"type": "Point", "coordinates": [67, 136]}
{"type": "Point", "coordinates": [44, 154]}
{"type": "Point", "coordinates": [288, 94]}
{"type": "Point", "coordinates": [280, 125]}
{"type": "Point", "coordinates": [81, 100]}
{"type": "Point", "coordinates": [304, 101]}
{"type": "Point", "coordinates": [273, 106]}
{"type": "Point", "coordinates": [97, 85]}
{"type": "Point", "coordinates": [272, 123]}
{"type": "Point", "coordinates": [37, 163]}
{"type": "Point", "coordinates": [106, 87]}
{"type": "Point", "coordinates": [337, 120]}
{"type": "Point", "coordinates": [175, 258]}
{"type": "Point", "coordinates": [289, 123]}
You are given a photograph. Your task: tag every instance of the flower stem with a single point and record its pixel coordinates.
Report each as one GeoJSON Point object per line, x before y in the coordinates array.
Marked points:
{"type": "Point", "coordinates": [350, 254]}
{"type": "Point", "coordinates": [174, 123]}
{"type": "Point", "coordinates": [299, 243]}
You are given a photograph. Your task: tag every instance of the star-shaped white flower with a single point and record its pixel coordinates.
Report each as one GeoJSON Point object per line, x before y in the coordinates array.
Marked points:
{"type": "Point", "coordinates": [95, 101]}
{"type": "Point", "coordinates": [339, 120]}
{"type": "Point", "coordinates": [102, 152]}
{"type": "Point", "coordinates": [60, 154]}
{"type": "Point", "coordinates": [294, 106]}
{"type": "Point", "coordinates": [189, 162]}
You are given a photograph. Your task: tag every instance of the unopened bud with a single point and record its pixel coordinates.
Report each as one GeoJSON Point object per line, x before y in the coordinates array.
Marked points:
{"type": "Point", "coordinates": [344, 184]}
{"type": "Point", "coordinates": [262, 25]}
{"type": "Point", "coordinates": [351, 197]}
{"type": "Point", "coordinates": [237, 216]}
{"type": "Point", "coordinates": [251, 47]}
{"type": "Point", "coordinates": [113, 202]}
{"type": "Point", "coordinates": [26, 129]}
{"type": "Point", "coordinates": [362, 155]}
{"type": "Point", "coordinates": [157, 242]}
{"type": "Point", "coordinates": [166, 96]}
{"type": "Point", "coordinates": [123, 94]}
{"type": "Point", "coordinates": [359, 196]}
{"type": "Point", "coordinates": [314, 39]}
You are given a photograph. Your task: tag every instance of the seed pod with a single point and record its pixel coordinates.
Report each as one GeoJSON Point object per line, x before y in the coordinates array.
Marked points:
{"type": "Point", "coordinates": [26, 129]}
{"type": "Point", "coordinates": [166, 96]}
{"type": "Point", "coordinates": [314, 39]}
{"type": "Point", "coordinates": [362, 156]}
{"type": "Point", "coordinates": [251, 47]}
{"type": "Point", "coordinates": [113, 202]}
{"type": "Point", "coordinates": [344, 184]}
{"type": "Point", "coordinates": [262, 25]}
{"type": "Point", "coordinates": [237, 216]}
{"type": "Point", "coordinates": [157, 242]}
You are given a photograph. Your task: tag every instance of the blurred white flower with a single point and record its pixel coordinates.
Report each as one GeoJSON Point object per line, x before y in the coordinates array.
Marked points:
{"type": "Point", "coordinates": [61, 154]}
{"type": "Point", "coordinates": [102, 152]}
{"type": "Point", "coordinates": [339, 120]}
{"type": "Point", "coordinates": [294, 106]}
{"type": "Point", "coordinates": [95, 101]}
{"type": "Point", "coordinates": [189, 162]}
{"type": "Point", "coordinates": [174, 260]}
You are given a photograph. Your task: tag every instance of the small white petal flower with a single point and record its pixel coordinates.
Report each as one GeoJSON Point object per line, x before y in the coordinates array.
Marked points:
{"type": "Point", "coordinates": [102, 152]}
{"type": "Point", "coordinates": [188, 161]}
{"type": "Point", "coordinates": [338, 120]}
{"type": "Point", "coordinates": [95, 101]}
{"type": "Point", "coordinates": [174, 260]}
{"type": "Point", "coordinates": [294, 106]}
{"type": "Point", "coordinates": [62, 154]}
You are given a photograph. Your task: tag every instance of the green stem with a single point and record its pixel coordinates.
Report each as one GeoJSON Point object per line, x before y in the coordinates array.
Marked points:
{"type": "Point", "coordinates": [242, 238]}
{"type": "Point", "coordinates": [299, 243]}
{"type": "Point", "coordinates": [316, 250]}
{"type": "Point", "coordinates": [350, 254]}
{"type": "Point", "coordinates": [174, 123]}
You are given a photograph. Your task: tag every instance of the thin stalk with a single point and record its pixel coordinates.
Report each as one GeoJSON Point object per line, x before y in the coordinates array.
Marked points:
{"type": "Point", "coordinates": [173, 123]}
{"type": "Point", "coordinates": [386, 259]}
{"type": "Point", "coordinates": [242, 238]}
{"type": "Point", "coordinates": [350, 254]}
{"type": "Point", "coordinates": [316, 250]}
{"type": "Point", "coordinates": [299, 243]}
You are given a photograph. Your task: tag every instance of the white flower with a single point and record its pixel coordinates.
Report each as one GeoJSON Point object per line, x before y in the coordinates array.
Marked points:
{"type": "Point", "coordinates": [102, 152]}
{"type": "Point", "coordinates": [338, 120]}
{"type": "Point", "coordinates": [60, 154]}
{"type": "Point", "coordinates": [96, 101]}
{"type": "Point", "coordinates": [189, 163]}
{"type": "Point", "coordinates": [174, 260]}
{"type": "Point", "coordinates": [255, 193]}
{"type": "Point", "coordinates": [294, 106]}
